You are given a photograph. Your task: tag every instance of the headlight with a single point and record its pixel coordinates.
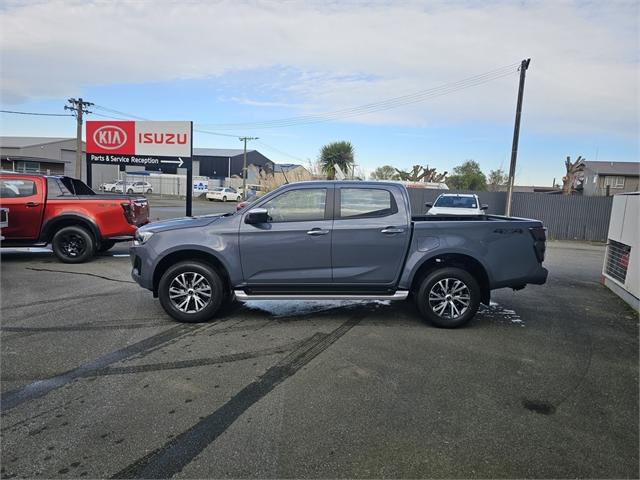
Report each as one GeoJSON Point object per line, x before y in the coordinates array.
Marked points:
{"type": "Point", "coordinates": [141, 237]}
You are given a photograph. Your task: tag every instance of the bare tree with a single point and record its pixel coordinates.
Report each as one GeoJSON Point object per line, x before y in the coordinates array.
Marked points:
{"type": "Point", "coordinates": [573, 168]}
{"type": "Point", "coordinates": [497, 180]}
{"type": "Point", "coordinates": [421, 174]}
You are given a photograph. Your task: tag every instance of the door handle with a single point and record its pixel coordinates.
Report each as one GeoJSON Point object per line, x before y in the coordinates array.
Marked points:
{"type": "Point", "coordinates": [31, 204]}
{"type": "Point", "coordinates": [317, 231]}
{"type": "Point", "coordinates": [391, 230]}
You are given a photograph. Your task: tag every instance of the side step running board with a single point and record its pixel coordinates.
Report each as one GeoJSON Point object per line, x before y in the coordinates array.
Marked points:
{"type": "Point", "coordinates": [243, 296]}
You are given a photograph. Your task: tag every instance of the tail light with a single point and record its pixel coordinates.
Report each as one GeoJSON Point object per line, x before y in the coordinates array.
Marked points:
{"type": "Point", "coordinates": [539, 235]}
{"type": "Point", "coordinates": [129, 213]}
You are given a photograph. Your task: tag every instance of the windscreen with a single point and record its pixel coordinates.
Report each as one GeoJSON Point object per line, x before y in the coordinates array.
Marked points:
{"type": "Point", "coordinates": [456, 202]}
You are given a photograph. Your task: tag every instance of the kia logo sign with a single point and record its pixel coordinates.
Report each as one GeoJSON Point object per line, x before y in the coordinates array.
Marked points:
{"type": "Point", "coordinates": [110, 137]}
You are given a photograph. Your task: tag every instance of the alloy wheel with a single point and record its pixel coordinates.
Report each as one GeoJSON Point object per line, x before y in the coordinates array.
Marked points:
{"type": "Point", "coordinates": [190, 292]}
{"type": "Point", "coordinates": [72, 245]}
{"type": "Point", "coordinates": [449, 298]}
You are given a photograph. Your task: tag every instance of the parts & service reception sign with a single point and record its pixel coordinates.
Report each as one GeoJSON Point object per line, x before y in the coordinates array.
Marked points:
{"type": "Point", "coordinates": [139, 143]}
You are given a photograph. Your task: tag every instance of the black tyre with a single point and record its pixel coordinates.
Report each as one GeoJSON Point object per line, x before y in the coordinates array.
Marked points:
{"type": "Point", "coordinates": [73, 244]}
{"type": "Point", "coordinates": [191, 292]}
{"type": "Point", "coordinates": [105, 245]}
{"type": "Point", "coordinates": [224, 199]}
{"type": "Point", "coordinates": [448, 297]}
{"type": "Point", "coordinates": [210, 199]}
{"type": "Point", "coordinates": [130, 191]}
{"type": "Point", "coordinates": [113, 189]}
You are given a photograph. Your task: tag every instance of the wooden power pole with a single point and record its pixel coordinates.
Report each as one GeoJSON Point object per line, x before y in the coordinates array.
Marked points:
{"type": "Point", "coordinates": [79, 109]}
{"type": "Point", "coordinates": [516, 134]}
{"type": "Point", "coordinates": [244, 166]}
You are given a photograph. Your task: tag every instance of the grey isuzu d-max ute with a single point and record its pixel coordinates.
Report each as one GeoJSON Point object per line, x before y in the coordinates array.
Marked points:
{"type": "Point", "coordinates": [337, 240]}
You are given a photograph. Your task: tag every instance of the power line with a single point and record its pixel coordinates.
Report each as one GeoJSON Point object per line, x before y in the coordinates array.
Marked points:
{"type": "Point", "coordinates": [109, 116]}
{"type": "Point", "coordinates": [380, 105]}
{"type": "Point", "coordinates": [215, 133]}
{"type": "Point", "coordinates": [260, 142]}
{"type": "Point", "coordinates": [38, 113]}
{"type": "Point", "coordinates": [137, 117]}
{"type": "Point", "coordinates": [117, 112]}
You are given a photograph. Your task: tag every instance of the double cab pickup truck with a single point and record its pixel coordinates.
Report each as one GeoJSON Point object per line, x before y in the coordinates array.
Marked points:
{"type": "Point", "coordinates": [337, 240]}
{"type": "Point", "coordinates": [65, 212]}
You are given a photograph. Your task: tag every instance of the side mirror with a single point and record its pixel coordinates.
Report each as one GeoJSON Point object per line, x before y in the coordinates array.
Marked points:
{"type": "Point", "coordinates": [484, 207]}
{"type": "Point", "coordinates": [428, 205]}
{"type": "Point", "coordinates": [256, 216]}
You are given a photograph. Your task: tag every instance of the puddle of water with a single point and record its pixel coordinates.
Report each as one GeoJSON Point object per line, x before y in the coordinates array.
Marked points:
{"type": "Point", "coordinates": [496, 312]}
{"type": "Point", "coordinates": [286, 308]}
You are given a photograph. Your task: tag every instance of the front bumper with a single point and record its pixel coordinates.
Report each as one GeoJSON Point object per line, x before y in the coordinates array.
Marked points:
{"type": "Point", "coordinates": [141, 266]}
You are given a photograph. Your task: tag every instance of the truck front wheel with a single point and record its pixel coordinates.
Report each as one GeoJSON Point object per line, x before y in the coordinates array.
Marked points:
{"type": "Point", "coordinates": [73, 244]}
{"type": "Point", "coordinates": [448, 297]}
{"type": "Point", "coordinates": [191, 292]}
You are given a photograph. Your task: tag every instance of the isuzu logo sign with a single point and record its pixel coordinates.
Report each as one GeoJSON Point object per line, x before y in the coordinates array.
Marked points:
{"type": "Point", "coordinates": [163, 138]}
{"type": "Point", "coordinates": [110, 137]}
{"type": "Point", "coordinates": [157, 139]}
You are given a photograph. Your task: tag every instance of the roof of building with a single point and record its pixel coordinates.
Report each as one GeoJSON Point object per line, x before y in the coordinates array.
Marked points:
{"type": "Point", "coordinates": [614, 168]}
{"type": "Point", "coordinates": [23, 142]}
{"type": "Point", "coordinates": [285, 167]}
{"type": "Point", "coordinates": [219, 152]}
{"type": "Point", "coordinates": [21, 158]}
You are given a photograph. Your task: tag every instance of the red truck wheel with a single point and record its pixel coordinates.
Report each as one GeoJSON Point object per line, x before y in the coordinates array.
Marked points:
{"type": "Point", "coordinates": [73, 244]}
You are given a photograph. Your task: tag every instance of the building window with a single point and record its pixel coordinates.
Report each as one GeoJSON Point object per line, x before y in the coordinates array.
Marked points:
{"type": "Point", "coordinates": [614, 182]}
{"type": "Point", "coordinates": [28, 167]}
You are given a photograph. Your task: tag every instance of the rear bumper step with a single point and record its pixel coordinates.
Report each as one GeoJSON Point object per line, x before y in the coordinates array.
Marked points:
{"type": "Point", "coordinates": [243, 296]}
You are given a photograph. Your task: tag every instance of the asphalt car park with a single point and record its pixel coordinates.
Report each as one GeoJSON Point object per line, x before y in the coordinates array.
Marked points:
{"type": "Point", "coordinates": [98, 382]}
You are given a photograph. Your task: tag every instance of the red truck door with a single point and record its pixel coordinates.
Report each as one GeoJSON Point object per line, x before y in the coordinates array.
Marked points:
{"type": "Point", "coordinates": [24, 197]}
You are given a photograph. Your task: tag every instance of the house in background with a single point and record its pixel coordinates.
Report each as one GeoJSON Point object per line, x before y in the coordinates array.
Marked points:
{"type": "Point", "coordinates": [610, 178]}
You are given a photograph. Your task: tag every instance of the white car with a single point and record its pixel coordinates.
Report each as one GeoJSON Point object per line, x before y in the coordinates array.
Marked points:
{"type": "Point", "coordinates": [457, 204]}
{"type": "Point", "coordinates": [131, 187]}
{"type": "Point", "coordinates": [223, 194]}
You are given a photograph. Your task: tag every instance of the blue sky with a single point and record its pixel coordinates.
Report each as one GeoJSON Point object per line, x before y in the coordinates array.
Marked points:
{"type": "Point", "coordinates": [242, 62]}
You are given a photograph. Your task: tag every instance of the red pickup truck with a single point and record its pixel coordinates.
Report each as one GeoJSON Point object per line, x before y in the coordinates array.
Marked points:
{"type": "Point", "coordinates": [65, 212]}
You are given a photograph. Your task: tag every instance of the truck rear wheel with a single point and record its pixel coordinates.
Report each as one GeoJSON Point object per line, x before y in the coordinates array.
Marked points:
{"type": "Point", "coordinates": [448, 297]}
{"type": "Point", "coordinates": [73, 244]}
{"type": "Point", "coordinates": [191, 292]}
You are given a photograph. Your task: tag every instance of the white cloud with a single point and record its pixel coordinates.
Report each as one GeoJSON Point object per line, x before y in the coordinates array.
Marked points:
{"type": "Point", "coordinates": [583, 75]}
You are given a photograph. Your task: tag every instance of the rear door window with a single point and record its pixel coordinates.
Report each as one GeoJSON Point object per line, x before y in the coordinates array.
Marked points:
{"type": "Point", "coordinates": [10, 188]}
{"type": "Point", "coordinates": [366, 203]}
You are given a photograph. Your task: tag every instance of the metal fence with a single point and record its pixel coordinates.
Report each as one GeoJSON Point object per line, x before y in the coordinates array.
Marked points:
{"type": "Point", "coordinates": [574, 217]}
{"type": "Point", "coordinates": [170, 185]}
